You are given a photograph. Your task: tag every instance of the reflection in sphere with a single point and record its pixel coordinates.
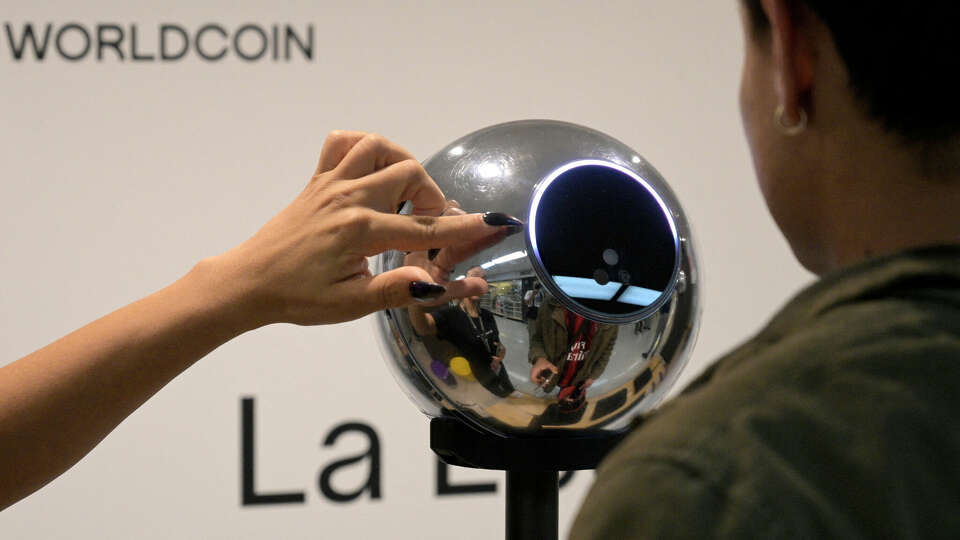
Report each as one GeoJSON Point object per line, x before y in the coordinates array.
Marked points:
{"type": "Point", "coordinates": [461, 367]}
{"type": "Point", "coordinates": [591, 313]}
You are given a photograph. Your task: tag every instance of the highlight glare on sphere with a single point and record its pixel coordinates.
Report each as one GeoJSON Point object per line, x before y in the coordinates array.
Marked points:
{"type": "Point", "coordinates": [489, 170]}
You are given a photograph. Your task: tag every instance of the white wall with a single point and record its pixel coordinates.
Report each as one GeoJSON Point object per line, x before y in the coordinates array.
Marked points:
{"type": "Point", "coordinates": [118, 176]}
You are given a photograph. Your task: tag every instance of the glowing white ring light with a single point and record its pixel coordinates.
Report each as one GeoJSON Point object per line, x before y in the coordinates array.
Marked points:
{"type": "Point", "coordinates": [545, 184]}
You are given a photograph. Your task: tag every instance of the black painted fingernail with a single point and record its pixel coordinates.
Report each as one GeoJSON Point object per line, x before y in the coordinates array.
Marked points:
{"type": "Point", "coordinates": [424, 292]}
{"type": "Point", "coordinates": [513, 229]}
{"type": "Point", "coordinates": [498, 219]}
{"type": "Point", "coordinates": [432, 253]}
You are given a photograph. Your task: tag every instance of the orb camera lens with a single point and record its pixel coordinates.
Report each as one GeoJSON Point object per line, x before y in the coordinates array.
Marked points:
{"type": "Point", "coordinates": [592, 213]}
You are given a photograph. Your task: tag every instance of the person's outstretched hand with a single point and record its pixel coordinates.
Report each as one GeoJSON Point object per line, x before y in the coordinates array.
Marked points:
{"type": "Point", "coordinates": [308, 265]}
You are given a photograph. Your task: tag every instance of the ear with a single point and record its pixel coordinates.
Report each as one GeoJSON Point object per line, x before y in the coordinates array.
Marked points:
{"type": "Point", "coordinates": [794, 55]}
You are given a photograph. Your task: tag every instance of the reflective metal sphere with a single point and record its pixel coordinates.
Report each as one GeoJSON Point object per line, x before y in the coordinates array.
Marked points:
{"type": "Point", "coordinates": [594, 309]}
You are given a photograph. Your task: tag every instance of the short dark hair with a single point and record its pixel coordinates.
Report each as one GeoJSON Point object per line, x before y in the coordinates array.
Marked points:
{"type": "Point", "coordinates": [902, 57]}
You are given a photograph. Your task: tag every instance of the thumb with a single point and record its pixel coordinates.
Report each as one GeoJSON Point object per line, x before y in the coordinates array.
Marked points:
{"type": "Point", "coordinates": [407, 285]}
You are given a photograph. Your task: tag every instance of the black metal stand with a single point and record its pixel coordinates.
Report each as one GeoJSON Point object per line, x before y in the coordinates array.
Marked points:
{"type": "Point", "coordinates": [532, 502]}
{"type": "Point", "coordinates": [532, 465]}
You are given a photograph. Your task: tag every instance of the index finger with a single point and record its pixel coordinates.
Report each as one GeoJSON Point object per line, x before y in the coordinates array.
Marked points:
{"type": "Point", "coordinates": [451, 256]}
{"type": "Point", "coordinates": [418, 233]}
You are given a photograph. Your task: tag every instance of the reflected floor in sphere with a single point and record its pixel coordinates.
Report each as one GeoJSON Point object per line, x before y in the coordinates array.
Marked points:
{"type": "Point", "coordinates": [529, 402]}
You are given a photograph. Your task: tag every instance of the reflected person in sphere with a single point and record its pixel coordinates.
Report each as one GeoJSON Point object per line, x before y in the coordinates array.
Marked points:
{"type": "Point", "coordinates": [532, 301]}
{"type": "Point", "coordinates": [841, 418]}
{"type": "Point", "coordinates": [568, 352]}
{"type": "Point", "coordinates": [473, 331]}
{"type": "Point", "coordinates": [306, 266]}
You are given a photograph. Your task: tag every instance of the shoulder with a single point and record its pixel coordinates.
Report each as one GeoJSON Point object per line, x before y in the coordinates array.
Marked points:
{"type": "Point", "coordinates": [758, 449]}
{"type": "Point", "coordinates": [661, 496]}
{"type": "Point", "coordinates": [609, 330]}
{"type": "Point", "coordinates": [446, 315]}
{"type": "Point", "coordinates": [835, 427]}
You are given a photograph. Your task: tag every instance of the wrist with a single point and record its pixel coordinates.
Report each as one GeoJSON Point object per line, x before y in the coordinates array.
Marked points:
{"type": "Point", "coordinates": [224, 294]}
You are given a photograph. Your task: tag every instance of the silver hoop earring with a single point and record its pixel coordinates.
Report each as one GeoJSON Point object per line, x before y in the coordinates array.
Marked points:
{"type": "Point", "coordinates": [788, 130]}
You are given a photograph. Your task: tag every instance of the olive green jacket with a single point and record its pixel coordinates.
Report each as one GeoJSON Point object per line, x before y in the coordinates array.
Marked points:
{"type": "Point", "coordinates": [549, 340]}
{"type": "Point", "coordinates": [841, 419]}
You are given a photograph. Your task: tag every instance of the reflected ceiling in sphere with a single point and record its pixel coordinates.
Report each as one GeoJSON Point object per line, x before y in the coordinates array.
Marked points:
{"type": "Point", "coordinates": [591, 313]}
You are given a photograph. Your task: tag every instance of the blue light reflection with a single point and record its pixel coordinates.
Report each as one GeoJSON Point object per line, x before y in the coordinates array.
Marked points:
{"type": "Point", "coordinates": [585, 288]}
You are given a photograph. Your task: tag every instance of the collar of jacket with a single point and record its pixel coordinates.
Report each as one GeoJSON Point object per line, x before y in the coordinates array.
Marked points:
{"type": "Point", "coordinates": [930, 267]}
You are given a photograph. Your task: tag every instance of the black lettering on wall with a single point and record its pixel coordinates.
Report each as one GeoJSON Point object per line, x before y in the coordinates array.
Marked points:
{"type": "Point", "coordinates": [165, 31]}
{"type": "Point", "coordinates": [59, 42]}
{"type": "Point", "coordinates": [249, 495]}
{"type": "Point", "coordinates": [135, 51]}
{"type": "Point", "coordinates": [373, 454]}
{"type": "Point", "coordinates": [238, 37]}
{"type": "Point", "coordinates": [103, 41]}
{"type": "Point", "coordinates": [275, 40]}
{"type": "Point", "coordinates": [444, 487]}
{"type": "Point", "coordinates": [305, 48]}
{"type": "Point", "coordinates": [109, 41]}
{"type": "Point", "coordinates": [197, 42]}
{"type": "Point", "coordinates": [17, 46]}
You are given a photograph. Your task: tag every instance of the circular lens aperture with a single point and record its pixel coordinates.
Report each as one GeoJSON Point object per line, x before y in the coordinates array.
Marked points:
{"type": "Point", "coordinates": [591, 219]}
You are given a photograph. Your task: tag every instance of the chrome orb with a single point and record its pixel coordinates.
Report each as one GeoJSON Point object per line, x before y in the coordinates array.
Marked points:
{"type": "Point", "coordinates": [592, 311]}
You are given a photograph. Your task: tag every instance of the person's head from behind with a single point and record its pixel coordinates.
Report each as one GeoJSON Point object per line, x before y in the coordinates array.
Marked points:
{"type": "Point", "coordinates": [846, 105]}
{"type": "Point", "coordinates": [479, 272]}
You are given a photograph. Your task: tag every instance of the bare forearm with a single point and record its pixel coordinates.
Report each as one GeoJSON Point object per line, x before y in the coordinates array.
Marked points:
{"type": "Point", "coordinates": [307, 265]}
{"type": "Point", "coordinates": [57, 403]}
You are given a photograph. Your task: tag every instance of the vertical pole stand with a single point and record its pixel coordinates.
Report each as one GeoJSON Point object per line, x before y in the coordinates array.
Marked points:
{"type": "Point", "coordinates": [532, 465]}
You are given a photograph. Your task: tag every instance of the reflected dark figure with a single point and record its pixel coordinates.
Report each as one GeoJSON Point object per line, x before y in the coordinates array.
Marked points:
{"type": "Point", "coordinates": [568, 352]}
{"type": "Point", "coordinates": [473, 331]}
{"type": "Point", "coordinates": [532, 301]}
